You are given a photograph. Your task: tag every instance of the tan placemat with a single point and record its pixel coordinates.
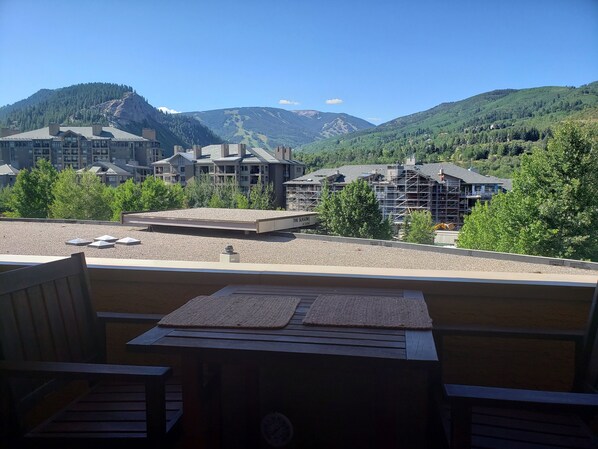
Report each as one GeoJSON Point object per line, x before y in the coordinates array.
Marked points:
{"type": "Point", "coordinates": [236, 311]}
{"type": "Point", "coordinates": [368, 311]}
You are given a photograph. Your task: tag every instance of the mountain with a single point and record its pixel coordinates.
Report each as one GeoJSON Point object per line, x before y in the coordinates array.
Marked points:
{"type": "Point", "coordinates": [489, 131]}
{"type": "Point", "coordinates": [270, 127]}
{"type": "Point", "coordinates": [107, 104]}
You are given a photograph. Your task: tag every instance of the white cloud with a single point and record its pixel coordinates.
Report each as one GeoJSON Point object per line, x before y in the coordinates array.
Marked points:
{"type": "Point", "coordinates": [334, 101]}
{"type": "Point", "coordinates": [373, 119]}
{"type": "Point", "coordinates": [168, 110]}
{"type": "Point", "coordinates": [288, 102]}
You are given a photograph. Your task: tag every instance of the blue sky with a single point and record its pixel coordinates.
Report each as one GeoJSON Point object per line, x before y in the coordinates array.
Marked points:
{"type": "Point", "coordinates": [378, 59]}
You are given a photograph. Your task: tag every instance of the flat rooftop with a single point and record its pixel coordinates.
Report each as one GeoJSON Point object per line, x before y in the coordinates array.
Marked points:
{"type": "Point", "coordinates": [48, 239]}
{"type": "Point", "coordinates": [248, 220]}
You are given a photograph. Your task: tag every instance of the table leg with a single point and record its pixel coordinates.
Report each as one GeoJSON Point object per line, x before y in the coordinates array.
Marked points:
{"type": "Point", "coordinates": [252, 386]}
{"type": "Point", "coordinates": [402, 413]}
{"type": "Point", "coordinates": [194, 409]}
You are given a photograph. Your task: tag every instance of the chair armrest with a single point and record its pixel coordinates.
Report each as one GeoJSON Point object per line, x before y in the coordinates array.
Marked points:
{"type": "Point", "coordinates": [507, 332]}
{"type": "Point", "coordinates": [118, 317]}
{"type": "Point", "coordinates": [507, 397]}
{"type": "Point", "coordinates": [85, 371]}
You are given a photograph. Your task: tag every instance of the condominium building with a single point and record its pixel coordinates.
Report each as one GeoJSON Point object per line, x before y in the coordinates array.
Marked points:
{"type": "Point", "coordinates": [8, 175]}
{"type": "Point", "coordinates": [81, 146]}
{"type": "Point", "coordinates": [236, 163]}
{"type": "Point", "coordinates": [445, 189]}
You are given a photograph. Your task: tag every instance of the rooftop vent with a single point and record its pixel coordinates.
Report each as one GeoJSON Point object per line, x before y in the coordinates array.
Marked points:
{"type": "Point", "coordinates": [229, 255]}
{"type": "Point", "coordinates": [96, 130]}
{"type": "Point", "coordinates": [78, 242]}
{"type": "Point", "coordinates": [106, 238]}
{"type": "Point", "coordinates": [128, 241]}
{"type": "Point", "coordinates": [100, 244]}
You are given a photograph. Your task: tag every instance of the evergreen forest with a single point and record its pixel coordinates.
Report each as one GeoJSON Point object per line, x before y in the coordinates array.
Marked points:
{"type": "Point", "coordinates": [488, 132]}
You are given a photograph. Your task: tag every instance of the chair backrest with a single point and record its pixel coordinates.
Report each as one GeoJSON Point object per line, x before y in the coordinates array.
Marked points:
{"type": "Point", "coordinates": [46, 314]}
{"type": "Point", "coordinates": [589, 357]}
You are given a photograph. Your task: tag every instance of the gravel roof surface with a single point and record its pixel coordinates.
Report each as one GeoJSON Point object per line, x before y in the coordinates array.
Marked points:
{"type": "Point", "coordinates": [205, 213]}
{"type": "Point", "coordinates": [48, 239]}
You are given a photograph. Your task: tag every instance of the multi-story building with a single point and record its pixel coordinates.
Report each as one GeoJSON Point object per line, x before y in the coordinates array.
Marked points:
{"type": "Point", "coordinates": [8, 175]}
{"type": "Point", "coordinates": [81, 146]}
{"type": "Point", "coordinates": [232, 163]}
{"type": "Point", "coordinates": [445, 189]}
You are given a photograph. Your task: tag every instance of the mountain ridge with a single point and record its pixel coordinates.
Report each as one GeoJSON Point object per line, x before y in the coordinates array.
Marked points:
{"type": "Point", "coordinates": [488, 131]}
{"type": "Point", "coordinates": [107, 104]}
{"type": "Point", "coordinates": [270, 127]}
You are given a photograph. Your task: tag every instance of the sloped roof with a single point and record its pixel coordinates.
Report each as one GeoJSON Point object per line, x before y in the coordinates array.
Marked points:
{"type": "Point", "coordinates": [349, 172]}
{"type": "Point", "coordinates": [467, 176]}
{"type": "Point", "coordinates": [108, 132]}
{"type": "Point", "coordinates": [184, 155]}
{"type": "Point", "coordinates": [7, 170]}
{"type": "Point", "coordinates": [105, 167]}
{"type": "Point", "coordinates": [214, 153]}
{"type": "Point", "coordinates": [353, 172]}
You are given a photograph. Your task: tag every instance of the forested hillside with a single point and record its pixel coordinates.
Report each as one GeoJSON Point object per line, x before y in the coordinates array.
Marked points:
{"type": "Point", "coordinates": [270, 127]}
{"type": "Point", "coordinates": [488, 131]}
{"type": "Point", "coordinates": [106, 104]}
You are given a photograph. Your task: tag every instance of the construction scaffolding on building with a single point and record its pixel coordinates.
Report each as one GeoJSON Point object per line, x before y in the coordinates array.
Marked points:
{"type": "Point", "coordinates": [446, 201]}
{"type": "Point", "coordinates": [445, 190]}
{"type": "Point", "coordinates": [406, 190]}
{"type": "Point", "coordinates": [304, 197]}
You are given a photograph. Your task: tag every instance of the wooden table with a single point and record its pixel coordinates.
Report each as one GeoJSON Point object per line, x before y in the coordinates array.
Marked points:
{"type": "Point", "coordinates": [382, 374]}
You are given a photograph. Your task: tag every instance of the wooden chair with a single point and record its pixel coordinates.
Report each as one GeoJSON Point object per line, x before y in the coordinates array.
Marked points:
{"type": "Point", "coordinates": [486, 417]}
{"type": "Point", "coordinates": [49, 336]}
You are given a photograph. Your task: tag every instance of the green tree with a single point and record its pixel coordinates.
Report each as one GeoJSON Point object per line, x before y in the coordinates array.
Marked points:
{"type": "Point", "coordinates": [261, 196]}
{"type": "Point", "coordinates": [199, 191]}
{"type": "Point", "coordinates": [216, 202]}
{"type": "Point", "coordinates": [80, 197]}
{"type": "Point", "coordinates": [553, 207]}
{"type": "Point", "coordinates": [419, 228]}
{"type": "Point", "coordinates": [480, 227]}
{"type": "Point", "coordinates": [241, 201]}
{"type": "Point", "coordinates": [126, 198]}
{"type": "Point", "coordinates": [326, 209]}
{"type": "Point", "coordinates": [157, 195]}
{"type": "Point", "coordinates": [5, 199]}
{"type": "Point", "coordinates": [32, 192]}
{"type": "Point", "coordinates": [354, 212]}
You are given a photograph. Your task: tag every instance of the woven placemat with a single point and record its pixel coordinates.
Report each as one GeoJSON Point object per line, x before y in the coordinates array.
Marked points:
{"type": "Point", "coordinates": [236, 311]}
{"type": "Point", "coordinates": [368, 311]}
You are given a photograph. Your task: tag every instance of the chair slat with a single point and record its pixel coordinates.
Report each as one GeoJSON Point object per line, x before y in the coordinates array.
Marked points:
{"type": "Point", "coordinates": [42, 330]}
{"type": "Point", "coordinates": [71, 329]}
{"type": "Point", "coordinates": [9, 330]}
{"type": "Point", "coordinates": [84, 316]}
{"type": "Point", "coordinates": [46, 315]}
{"type": "Point", "coordinates": [25, 325]}
{"type": "Point", "coordinates": [56, 324]}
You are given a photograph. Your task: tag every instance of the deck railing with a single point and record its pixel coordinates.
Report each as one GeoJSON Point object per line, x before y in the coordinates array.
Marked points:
{"type": "Point", "coordinates": [543, 301]}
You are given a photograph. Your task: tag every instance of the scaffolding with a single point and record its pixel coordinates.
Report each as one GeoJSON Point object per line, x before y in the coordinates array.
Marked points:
{"type": "Point", "coordinates": [447, 202]}
{"type": "Point", "coordinates": [405, 191]}
{"type": "Point", "coordinates": [303, 197]}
